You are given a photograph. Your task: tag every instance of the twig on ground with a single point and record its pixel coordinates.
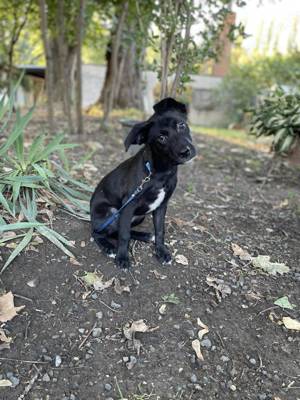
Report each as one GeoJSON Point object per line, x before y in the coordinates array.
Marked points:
{"type": "Point", "coordinates": [23, 297]}
{"type": "Point", "coordinates": [30, 384]}
{"type": "Point", "coordinates": [221, 340]}
{"type": "Point", "coordinates": [87, 336]}
{"type": "Point", "coordinates": [106, 305]}
{"type": "Point", "coordinates": [23, 361]}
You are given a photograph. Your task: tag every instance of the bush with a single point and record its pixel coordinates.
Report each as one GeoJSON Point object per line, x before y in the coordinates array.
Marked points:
{"type": "Point", "coordinates": [32, 179]}
{"type": "Point", "coordinates": [278, 115]}
{"type": "Point", "coordinates": [248, 79]}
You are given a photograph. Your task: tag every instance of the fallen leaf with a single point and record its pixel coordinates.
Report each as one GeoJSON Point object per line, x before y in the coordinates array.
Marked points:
{"type": "Point", "coordinates": [95, 280]}
{"type": "Point", "coordinates": [7, 309]}
{"type": "Point", "coordinates": [291, 323]}
{"type": "Point", "coordinates": [74, 261]}
{"type": "Point", "coordinates": [180, 259]}
{"type": "Point", "coordinates": [119, 289]}
{"type": "Point", "coordinates": [158, 275]}
{"type": "Point", "coordinates": [137, 326]}
{"type": "Point", "coordinates": [263, 262]}
{"type": "Point", "coordinates": [284, 302]}
{"type": "Point", "coordinates": [162, 309]}
{"type": "Point", "coordinates": [204, 329]}
{"type": "Point", "coordinates": [241, 253]}
{"type": "Point", "coordinates": [222, 289]}
{"type": "Point", "coordinates": [3, 337]}
{"type": "Point", "coordinates": [197, 348]}
{"type": "Point", "coordinates": [5, 383]}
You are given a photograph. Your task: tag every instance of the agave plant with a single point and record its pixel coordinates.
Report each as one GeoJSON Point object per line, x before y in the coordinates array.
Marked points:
{"type": "Point", "coordinates": [278, 115]}
{"type": "Point", "coordinates": [31, 177]}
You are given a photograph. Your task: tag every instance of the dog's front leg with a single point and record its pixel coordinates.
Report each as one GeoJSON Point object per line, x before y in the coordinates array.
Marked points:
{"type": "Point", "coordinates": [122, 258]}
{"type": "Point", "coordinates": [162, 252]}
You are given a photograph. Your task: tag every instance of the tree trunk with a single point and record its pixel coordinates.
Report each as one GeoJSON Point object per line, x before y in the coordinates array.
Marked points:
{"type": "Point", "coordinates": [49, 63]}
{"type": "Point", "coordinates": [128, 79]}
{"type": "Point", "coordinates": [109, 93]}
{"type": "Point", "coordinates": [80, 23]}
{"type": "Point", "coordinates": [130, 91]}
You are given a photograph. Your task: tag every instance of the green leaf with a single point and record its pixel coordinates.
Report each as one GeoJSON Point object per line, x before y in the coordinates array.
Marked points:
{"type": "Point", "coordinates": [18, 130]}
{"type": "Point", "coordinates": [24, 242]}
{"type": "Point", "coordinates": [4, 203]}
{"type": "Point", "coordinates": [19, 225]}
{"type": "Point", "coordinates": [263, 262]}
{"type": "Point", "coordinates": [284, 302]}
{"type": "Point", "coordinates": [50, 236]}
{"type": "Point", "coordinates": [35, 149]}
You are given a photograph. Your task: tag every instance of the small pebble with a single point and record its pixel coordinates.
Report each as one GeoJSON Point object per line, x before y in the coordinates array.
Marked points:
{"type": "Point", "coordinates": [99, 315]}
{"type": "Point", "coordinates": [46, 378]}
{"type": "Point", "coordinates": [115, 305]}
{"type": "Point", "coordinates": [206, 343]}
{"type": "Point", "coordinates": [107, 387]}
{"type": "Point", "coordinates": [193, 378]}
{"type": "Point", "coordinates": [97, 332]}
{"type": "Point", "coordinates": [225, 358]}
{"type": "Point", "coordinates": [262, 396]}
{"type": "Point", "coordinates": [57, 361]}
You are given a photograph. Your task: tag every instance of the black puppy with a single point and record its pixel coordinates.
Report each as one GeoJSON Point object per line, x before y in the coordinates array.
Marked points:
{"type": "Point", "coordinates": [142, 184]}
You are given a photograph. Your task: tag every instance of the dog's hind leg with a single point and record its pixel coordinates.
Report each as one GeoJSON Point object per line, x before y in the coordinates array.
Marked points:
{"type": "Point", "coordinates": [137, 235]}
{"type": "Point", "coordinates": [106, 245]}
{"type": "Point", "coordinates": [142, 236]}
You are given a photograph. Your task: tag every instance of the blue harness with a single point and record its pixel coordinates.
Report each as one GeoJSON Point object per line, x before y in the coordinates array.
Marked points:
{"type": "Point", "coordinates": [138, 190]}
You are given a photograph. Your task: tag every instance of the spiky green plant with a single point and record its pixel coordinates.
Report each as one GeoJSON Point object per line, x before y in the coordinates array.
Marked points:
{"type": "Point", "coordinates": [278, 115]}
{"type": "Point", "coordinates": [31, 177]}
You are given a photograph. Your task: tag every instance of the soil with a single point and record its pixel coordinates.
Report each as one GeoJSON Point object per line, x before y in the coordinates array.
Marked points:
{"type": "Point", "coordinates": [225, 196]}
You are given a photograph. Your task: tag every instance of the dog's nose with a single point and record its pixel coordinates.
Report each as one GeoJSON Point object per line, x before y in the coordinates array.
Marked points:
{"type": "Point", "coordinates": [186, 152]}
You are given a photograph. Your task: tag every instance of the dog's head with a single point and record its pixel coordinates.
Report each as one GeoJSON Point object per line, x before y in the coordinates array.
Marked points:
{"type": "Point", "coordinates": [167, 132]}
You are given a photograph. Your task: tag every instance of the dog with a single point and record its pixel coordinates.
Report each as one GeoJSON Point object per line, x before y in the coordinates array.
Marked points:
{"type": "Point", "coordinates": [142, 184]}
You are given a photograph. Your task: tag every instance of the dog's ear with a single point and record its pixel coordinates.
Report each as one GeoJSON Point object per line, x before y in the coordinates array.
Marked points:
{"type": "Point", "coordinates": [138, 134]}
{"type": "Point", "coordinates": [169, 104]}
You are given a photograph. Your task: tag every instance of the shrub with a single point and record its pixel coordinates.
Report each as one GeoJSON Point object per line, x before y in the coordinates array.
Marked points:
{"type": "Point", "coordinates": [252, 76]}
{"type": "Point", "coordinates": [278, 115]}
{"type": "Point", "coordinates": [31, 179]}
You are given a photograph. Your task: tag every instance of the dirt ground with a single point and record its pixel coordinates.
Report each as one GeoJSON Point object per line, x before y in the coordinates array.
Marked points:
{"type": "Point", "coordinates": [68, 343]}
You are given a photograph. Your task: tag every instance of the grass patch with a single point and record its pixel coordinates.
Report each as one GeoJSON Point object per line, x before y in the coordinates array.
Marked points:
{"type": "Point", "coordinates": [235, 136]}
{"type": "Point", "coordinates": [33, 182]}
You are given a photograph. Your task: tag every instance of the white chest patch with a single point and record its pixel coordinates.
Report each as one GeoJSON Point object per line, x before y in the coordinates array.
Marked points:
{"type": "Point", "coordinates": [160, 197]}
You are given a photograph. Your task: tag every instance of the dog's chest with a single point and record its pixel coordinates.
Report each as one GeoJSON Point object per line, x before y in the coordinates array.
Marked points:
{"type": "Point", "coordinates": [157, 201]}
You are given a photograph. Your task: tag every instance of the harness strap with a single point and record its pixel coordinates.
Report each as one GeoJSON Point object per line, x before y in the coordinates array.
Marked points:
{"type": "Point", "coordinates": [138, 190]}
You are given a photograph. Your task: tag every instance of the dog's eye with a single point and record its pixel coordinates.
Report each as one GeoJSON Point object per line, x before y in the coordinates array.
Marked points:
{"type": "Point", "coordinates": [180, 126]}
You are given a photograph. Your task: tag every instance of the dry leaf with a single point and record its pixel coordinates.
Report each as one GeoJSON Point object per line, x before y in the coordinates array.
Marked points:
{"type": "Point", "coordinates": [204, 329]}
{"type": "Point", "coordinates": [162, 309]}
{"type": "Point", "coordinates": [241, 253]}
{"type": "Point", "coordinates": [158, 275]}
{"type": "Point", "coordinates": [7, 309]}
{"type": "Point", "coordinates": [5, 383]}
{"type": "Point", "coordinates": [119, 289]}
{"type": "Point", "coordinates": [263, 262]}
{"type": "Point", "coordinates": [74, 261]}
{"type": "Point", "coordinates": [180, 259]}
{"type": "Point", "coordinates": [3, 337]}
{"type": "Point", "coordinates": [222, 290]}
{"type": "Point", "coordinates": [197, 348]}
{"type": "Point", "coordinates": [95, 280]}
{"type": "Point", "coordinates": [291, 323]}
{"type": "Point", "coordinates": [137, 326]}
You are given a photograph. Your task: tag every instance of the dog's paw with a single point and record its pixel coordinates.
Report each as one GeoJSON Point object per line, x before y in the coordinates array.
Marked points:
{"type": "Point", "coordinates": [163, 254]}
{"type": "Point", "coordinates": [122, 262]}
